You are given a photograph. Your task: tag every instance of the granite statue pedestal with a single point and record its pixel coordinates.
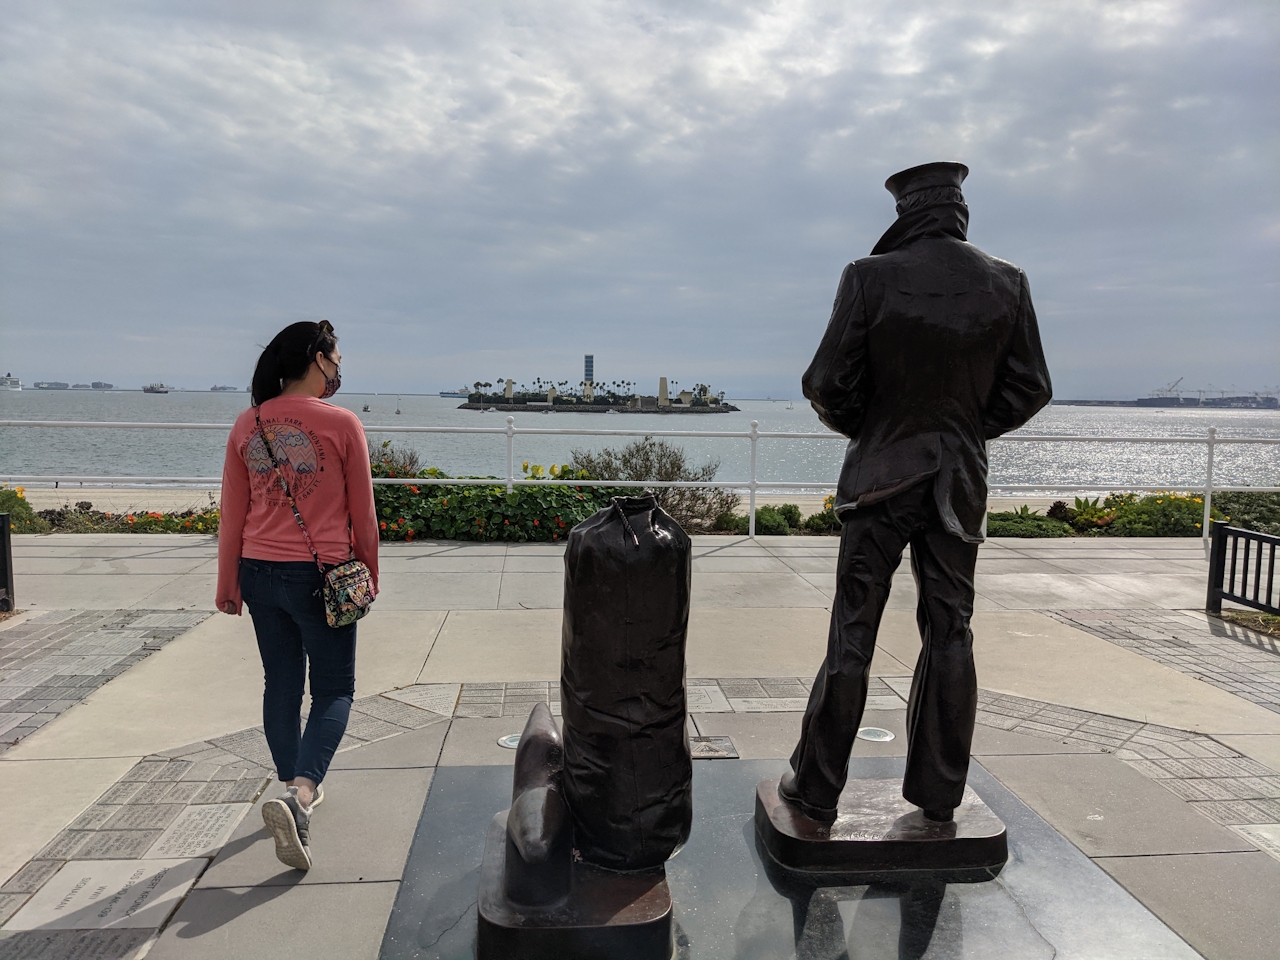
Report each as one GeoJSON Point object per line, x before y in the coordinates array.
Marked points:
{"type": "Point", "coordinates": [625, 916]}
{"type": "Point", "coordinates": [878, 836]}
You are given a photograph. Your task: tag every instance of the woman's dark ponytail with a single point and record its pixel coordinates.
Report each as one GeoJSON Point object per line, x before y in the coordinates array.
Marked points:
{"type": "Point", "coordinates": [288, 356]}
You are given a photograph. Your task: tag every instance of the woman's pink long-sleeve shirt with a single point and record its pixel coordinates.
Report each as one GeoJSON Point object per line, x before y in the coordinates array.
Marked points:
{"type": "Point", "coordinates": [325, 459]}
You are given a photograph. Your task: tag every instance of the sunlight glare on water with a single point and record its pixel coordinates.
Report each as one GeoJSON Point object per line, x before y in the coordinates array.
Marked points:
{"type": "Point", "coordinates": [199, 453]}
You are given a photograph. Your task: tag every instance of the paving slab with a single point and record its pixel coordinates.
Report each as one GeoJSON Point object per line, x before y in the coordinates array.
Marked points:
{"type": "Point", "coordinates": [1263, 748]}
{"type": "Point", "coordinates": [1107, 808]}
{"type": "Point", "coordinates": [40, 797]}
{"type": "Point", "coordinates": [439, 591]}
{"type": "Point", "coordinates": [199, 831]}
{"type": "Point", "coordinates": [73, 944]}
{"type": "Point", "coordinates": [269, 922]}
{"type": "Point", "coordinates": [1028, 654]}
{"type": "Point", "coordinates": [108, 894]}
{"type": "Point", "coordinates": [151, 707]}
{"type": "Point", "coordinates": [770, 736]}
{"type": "Point", "coordinates": [475, 646]}
{"type": "Point", "coordinates": [755, 590]}
{"type": "Point", "coordinates": [416, 748]}
{"type": "Point", "coordinates": [473, 742]}
{"type": "Point", "coordinates": [1036, 591]}
{"type": "Point", "coordinates": [1224, 904]}
{"type": "Point", "coordinates": [58, 591]}
{"type": "Point", "coordinates": [531, 591]}
{"type": "Point", "coordinates": [991, 742]}
{"type": "Point", "coordinates": [361, 833]}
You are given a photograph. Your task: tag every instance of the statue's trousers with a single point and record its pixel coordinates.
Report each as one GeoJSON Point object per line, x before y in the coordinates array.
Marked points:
{"type": "Point", "coordinates": [944, 690]}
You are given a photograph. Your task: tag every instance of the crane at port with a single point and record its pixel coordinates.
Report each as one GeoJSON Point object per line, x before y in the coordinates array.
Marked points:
{"type": "Point", "coordinates": [1169, 391]}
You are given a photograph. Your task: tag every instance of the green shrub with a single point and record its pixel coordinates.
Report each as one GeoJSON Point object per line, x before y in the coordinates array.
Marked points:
{"type": "Point", "coordinates": [1060, 511]}
{"type": "Point", "coordinates": [1157, 515]}
{"type": "Point", "coordinates": [694, 508]}
{"type": "Point", "coordinates": [826, 520]}
{"type": "Point", "coordinates": [791, 513]}
{"type": "Point", "coordinates": [22, 519]}
{"type": "Point", "coordinates": [1025, 523]}
{"type": "Point", "coordinates": [729, 522]}
{"type": "Point", "coordinates": [484, 512]}
{"type": "Point", "coordinates": [770, 522]}
{"type": "Point", "coordinates": [1251, 511]}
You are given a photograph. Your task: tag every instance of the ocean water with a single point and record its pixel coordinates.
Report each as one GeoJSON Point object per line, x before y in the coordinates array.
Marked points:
{"type": "Point", "coordinates": [97, 452]}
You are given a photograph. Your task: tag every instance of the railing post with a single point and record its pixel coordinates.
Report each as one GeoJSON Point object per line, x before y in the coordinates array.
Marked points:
{"type": "Point", "coordinates": [751, 513]}
{"type": "Point", "coordinates": [1217, 567]}
{"type": "Point", "coordinates": [7, 600]}
{"type": "Point", "coordinates": [511, 453]}
{"type": "Point", "coordinates": [1208, 486]}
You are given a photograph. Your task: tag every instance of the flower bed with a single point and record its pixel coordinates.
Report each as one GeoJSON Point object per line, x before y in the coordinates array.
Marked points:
{"type": "Point", "coordinates": [447, 512]}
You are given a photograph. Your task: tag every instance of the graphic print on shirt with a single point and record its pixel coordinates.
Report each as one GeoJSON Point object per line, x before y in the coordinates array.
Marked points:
{"type": "Point", "coordinates": [300, 456]}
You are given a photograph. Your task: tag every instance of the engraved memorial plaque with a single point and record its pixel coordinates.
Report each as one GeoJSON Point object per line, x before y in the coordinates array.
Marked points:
{"type": "Point", "coordinates": [108, 894]}
{"type": "Point", "coordinates": [117, 844]}
{"type": "Point", "coordinates": [768, 704]}
{"type": "Point", "coordinates": [712, 748]}
{"type": "Point", "coordinates": [707, 698]}
{"type": "Point", "coordinates": [437, 697]}
{"type": "Point", "coordinates": [199, 831]}
{"type": "Point", "coordinates": [144, 816]}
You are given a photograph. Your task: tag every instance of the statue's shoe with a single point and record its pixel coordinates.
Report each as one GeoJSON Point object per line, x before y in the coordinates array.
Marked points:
{"type": "Point", "coordinates": [939, 816]}
{"type": "Point", "coordinates": [788, 792]}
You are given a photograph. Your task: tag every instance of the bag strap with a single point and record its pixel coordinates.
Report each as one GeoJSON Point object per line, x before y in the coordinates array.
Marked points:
{"type": "Point", "coordinates": [285, 487]}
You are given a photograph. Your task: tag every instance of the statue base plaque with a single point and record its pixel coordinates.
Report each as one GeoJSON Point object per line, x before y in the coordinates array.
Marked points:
{"type": "Point", "coordinates": [878, 836]}
{"type": "Point", "coordinates": [626, 916]}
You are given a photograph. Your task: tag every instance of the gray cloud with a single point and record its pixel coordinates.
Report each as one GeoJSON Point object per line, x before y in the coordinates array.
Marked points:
{"type": "Point", "coordinates": [479, 190]}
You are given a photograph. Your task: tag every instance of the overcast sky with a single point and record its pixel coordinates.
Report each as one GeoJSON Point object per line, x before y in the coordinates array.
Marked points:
{"type": "Point", "coordinates": [475, 190]}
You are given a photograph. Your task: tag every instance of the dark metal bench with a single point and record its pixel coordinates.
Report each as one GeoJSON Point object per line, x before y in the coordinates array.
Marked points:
{"type": "Point", "coordinates": [1242, 569]}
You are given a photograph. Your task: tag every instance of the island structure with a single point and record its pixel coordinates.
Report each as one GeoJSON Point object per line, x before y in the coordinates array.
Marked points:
{"type": "Point", "coordinates": [591, 396]}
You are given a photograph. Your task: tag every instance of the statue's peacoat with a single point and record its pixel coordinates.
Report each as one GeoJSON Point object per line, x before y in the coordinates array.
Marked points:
{"type": "Point", "coordinates": [932, 349]}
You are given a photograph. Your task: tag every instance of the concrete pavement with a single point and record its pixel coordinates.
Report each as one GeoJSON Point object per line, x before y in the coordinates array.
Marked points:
{"type": "Point", "coordinates": [1082, 724]}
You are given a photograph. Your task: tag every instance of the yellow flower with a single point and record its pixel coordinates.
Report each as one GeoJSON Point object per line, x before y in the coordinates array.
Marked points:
{"type": "Point", "coordinates": [20, 491]}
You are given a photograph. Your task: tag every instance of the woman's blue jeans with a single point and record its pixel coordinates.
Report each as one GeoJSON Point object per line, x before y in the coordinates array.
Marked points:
{"type": "Point", "coordinates": [288, 617]}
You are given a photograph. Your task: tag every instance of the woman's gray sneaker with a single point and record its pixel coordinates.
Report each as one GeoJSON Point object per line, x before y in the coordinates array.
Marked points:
{"type": "Point", "coordinates": [290, 825]}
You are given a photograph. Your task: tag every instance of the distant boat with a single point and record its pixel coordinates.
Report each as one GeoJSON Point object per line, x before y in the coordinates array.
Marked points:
{"type": "Point", "coordinates": [611, 411]}
{"type": "Point", "coordinates": [365, 408]}
{"type": "Point", "coordinates": [217, 389]}
{"type": "Point", "coordinates": [102, 385]}
{"type": "Point", "coordinates": [397, 406]}
{"type": "Point", "coordinates": [51, 385]}
{"type": "Point", "coordinates": [155, 388]}
{"type": "Point", "coordinates": [10, 382]}
{"type": "Point", "coordinates": [790, 405]}
{"type": "Point", "coordinates": [81, 386]}
{"type": "Point", "coordinates": [454, 393]}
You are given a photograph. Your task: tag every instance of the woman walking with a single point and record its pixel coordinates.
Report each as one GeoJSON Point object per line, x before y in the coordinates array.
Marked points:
{"type": "Point", "coordinates": [297, 496]}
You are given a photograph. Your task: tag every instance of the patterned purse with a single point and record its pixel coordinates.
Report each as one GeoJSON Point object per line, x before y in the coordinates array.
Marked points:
{"type": "Point", "coordinates": [348, 587]}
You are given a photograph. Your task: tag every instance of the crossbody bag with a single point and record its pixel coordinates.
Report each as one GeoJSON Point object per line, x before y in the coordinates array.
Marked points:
{"type": "Point", "coordinates": [348, 587]}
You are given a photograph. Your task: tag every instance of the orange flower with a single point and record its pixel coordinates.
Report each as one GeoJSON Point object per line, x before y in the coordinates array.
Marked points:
{"type": "Point", "coordinates": [383, 525]}
{"type": "Point", "coordinates": [506, 523]}
{"type": "Point", "coordinates": [444, 503]}
{"type": "Point", "coordinates": [413, 488]}
{"type": "Point", "coordinates": [535, 523]}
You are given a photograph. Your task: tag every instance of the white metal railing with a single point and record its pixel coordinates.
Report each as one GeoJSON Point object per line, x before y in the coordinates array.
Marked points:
{"type": "Point", "coordinates": [754, 434]}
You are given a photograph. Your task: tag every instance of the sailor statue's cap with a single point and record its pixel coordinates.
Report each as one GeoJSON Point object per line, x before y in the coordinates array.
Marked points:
{"type": "Point", "coordinates": [942, 174]}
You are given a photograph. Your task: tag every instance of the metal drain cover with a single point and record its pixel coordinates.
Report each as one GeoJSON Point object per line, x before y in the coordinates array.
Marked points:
{"type": "Point", "coordinates": [512, 740]}
{"type": "Point", "coordinates": [878, 734]}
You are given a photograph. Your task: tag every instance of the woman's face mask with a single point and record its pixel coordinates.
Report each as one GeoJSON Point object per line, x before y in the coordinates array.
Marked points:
{"type": "Point", "coordinates": [331, 384]}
